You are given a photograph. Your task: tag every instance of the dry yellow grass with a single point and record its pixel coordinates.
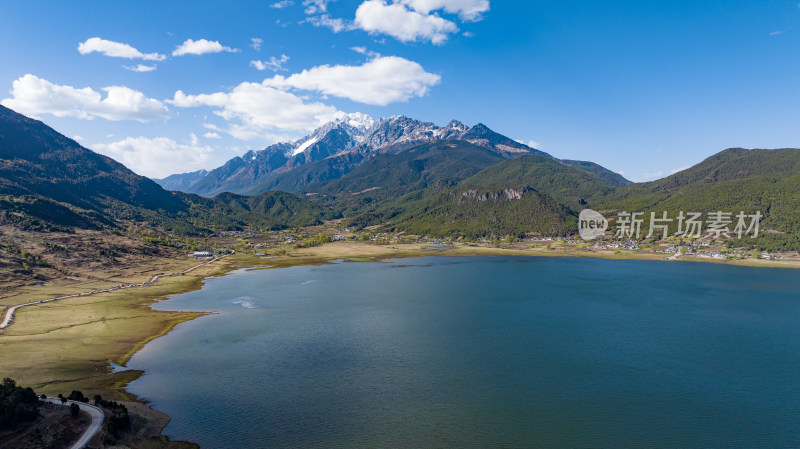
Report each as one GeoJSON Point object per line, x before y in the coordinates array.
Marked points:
{"type": "Point", "coordinates": [68, 344]}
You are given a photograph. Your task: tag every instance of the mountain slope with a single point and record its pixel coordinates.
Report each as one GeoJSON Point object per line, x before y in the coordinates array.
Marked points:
{"type": "Point", "coordinates": [37, 160]}
{"type": "Point", "coordinates": [470, 192]}
{"type": "Point", "coordinates": [566, 184]}
{"type": "Point", "coordinates": [484, 213]}
{"type": "Point", "coordinates": [389, 176]}
{"type": "Point", "coordinates": [604, 174]}
{"type": "Point", "coordinates": [294, 180]}
{"type": "Point", "coordinates": [51, 182]}
{"type": "Point", "coordinates": [241, 173]}
{"type": "Point", "coordinates": [270, 210]}
{"type": "Point", "coordinates": [735, 180]}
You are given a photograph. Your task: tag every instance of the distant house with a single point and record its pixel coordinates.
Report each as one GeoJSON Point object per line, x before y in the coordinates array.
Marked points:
{"type": "Point", "coordinates": [200, 254]}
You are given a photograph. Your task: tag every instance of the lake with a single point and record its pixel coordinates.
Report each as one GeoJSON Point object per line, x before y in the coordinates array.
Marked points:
{"type": "Point", "coordinates": [484, 352]}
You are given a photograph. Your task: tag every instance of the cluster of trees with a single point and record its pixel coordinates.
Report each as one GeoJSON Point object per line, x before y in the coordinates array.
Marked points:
{"type": "Point", "coordinates": [318, 240]}
{"type": "Point", "coordinates": [119, 419]}
{"type": "Point", "coordinates": [17, 404]}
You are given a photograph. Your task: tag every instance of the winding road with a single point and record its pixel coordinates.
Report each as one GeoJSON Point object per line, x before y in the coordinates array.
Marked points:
{"type": "Point", "coordinates": [97, 421]}
{"type": "Point", "coordinates": [8, 315]}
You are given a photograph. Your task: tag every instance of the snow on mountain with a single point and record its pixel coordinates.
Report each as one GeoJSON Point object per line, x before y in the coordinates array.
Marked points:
{"type": "Point", "coordinates": [354, 125]}
{"type": "Point", "coordinates": [310, 141]}
{"type": "Point", "coordinates": [355, 137]}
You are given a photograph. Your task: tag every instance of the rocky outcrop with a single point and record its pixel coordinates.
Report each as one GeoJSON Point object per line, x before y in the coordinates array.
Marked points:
{"type": "Point", "coordinates": [495, 195]}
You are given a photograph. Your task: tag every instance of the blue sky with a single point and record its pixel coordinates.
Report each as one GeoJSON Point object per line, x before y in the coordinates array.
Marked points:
{"type": "Point", "coordinates": [644, 88]}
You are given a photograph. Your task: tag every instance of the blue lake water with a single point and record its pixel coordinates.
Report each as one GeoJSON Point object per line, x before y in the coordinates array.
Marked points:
{"type": "Point", "coordinates": [484, 352]}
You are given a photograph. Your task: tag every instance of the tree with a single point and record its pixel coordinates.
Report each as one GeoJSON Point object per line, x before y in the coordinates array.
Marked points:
{"type": "Point", "coordinates": [74, 410]}
{"type": "Point", "coordinates": [17, 404]}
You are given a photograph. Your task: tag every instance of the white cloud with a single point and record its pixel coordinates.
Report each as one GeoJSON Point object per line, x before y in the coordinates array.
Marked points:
{"type": "Point", "coordinates": [775, 33]}
{"type": "Point", "coordinates": [467, 10]}
{"type": "Point", "coordinates": [157, 157]}
{"type": "Point", "coordinates": [77, 138]}
{"type": "Point", "coordinates": [274, 64]}
{"type": "Point", "coordinates": [140, 68]}
{"type": "Point", "coordinates": [381, 81]}
{"type": "Point", "coordinates": [257, 110]}
{"type": "Point", "coordinates": [281, 4]}
{"type": "Point", "coordinates": [270, 110]}
{"type": "Point", "coordinates": [336, 25]}
{"type": "Point", "coordinates": [212, 135]}
{"type": "Point", "coordinates": [531, 143]}
{"type": "Point", "coordinates": [115, 50]}
{"type": "Point", "coordinates": [256, 42]}
{"type": "Point", "coordinates": [201, 47]}
{"type": "Point", "coordinates": [316, 6]}
{"type": "Point", "coordinates": [32, 95]}
{"type": "Point", "coordinates": [365, 51]}
{"type": "Point", "coordinates": [402, 23]}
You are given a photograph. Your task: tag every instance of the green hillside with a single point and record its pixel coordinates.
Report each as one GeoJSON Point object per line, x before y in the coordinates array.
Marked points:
{"type": "Point", "coordinates": [389, 176]}
{"type": "Point", "coordinates": [733, 180]}
{"type": "Point", "coordinates": [315, 172]}
{"type": "Point", "coordinates": [563, 183]}
{"type": "Point", "coordinates": [485, 213]}
{"type": "Point", "coordinates": [270, 210]}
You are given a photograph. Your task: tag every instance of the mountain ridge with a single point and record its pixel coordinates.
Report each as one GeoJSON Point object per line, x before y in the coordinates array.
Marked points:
{"type": "Point", "coordinates": [351, 139]}
{"type": "Point", "coordinates": [50, 180]}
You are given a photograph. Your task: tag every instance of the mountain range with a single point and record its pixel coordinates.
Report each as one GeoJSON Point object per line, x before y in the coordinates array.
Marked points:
{"type": "Point", "coordinates": [338, 147]}
{"type": "Point", "coordinates": [394, 175]}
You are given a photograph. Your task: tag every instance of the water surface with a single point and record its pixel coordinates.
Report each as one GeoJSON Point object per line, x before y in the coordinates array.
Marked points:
{"type": "Point", "coordinates": [484, 352]}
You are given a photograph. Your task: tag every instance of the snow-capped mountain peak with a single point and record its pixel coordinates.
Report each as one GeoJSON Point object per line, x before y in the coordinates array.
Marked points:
{"type": "Point", "coordinates": [354, 125]}
{"type": "Point", "coordinates": [359, 120]}
{"type": "Point", "coordinates": [352, 138]}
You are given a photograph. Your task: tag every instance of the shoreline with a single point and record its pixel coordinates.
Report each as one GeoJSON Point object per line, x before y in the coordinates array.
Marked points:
{"type": "Point", "coordinates": [115, 382]}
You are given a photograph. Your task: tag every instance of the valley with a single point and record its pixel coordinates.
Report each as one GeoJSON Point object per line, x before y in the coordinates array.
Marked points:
{"type": "Point", "coordinates": [84, 227]}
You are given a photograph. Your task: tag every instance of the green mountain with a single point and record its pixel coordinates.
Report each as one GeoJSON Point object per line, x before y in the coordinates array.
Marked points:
{"type": "Point", "coordinates": [735, 180]}
{"type": "Point", "coordinates": [312, 173]}
{"type": "Point", "coordinates": [482, 212]}
{"type": "Point", "coordinates": [270, 210]}
{"type": "Point", "coordinates": [564, 183]}
{"type": "Point", "coordinates": [48, 181]}
{"type": "Point", "coordinates": [456, 188]}
{"type": "Point", "coordinates": [37, 160]}
{"type": "Point", "coordinates": [390, 176]}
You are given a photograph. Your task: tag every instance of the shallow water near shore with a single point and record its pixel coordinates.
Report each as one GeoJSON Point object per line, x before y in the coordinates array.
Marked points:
{"type": "Point", "coordinates": [483, 352]}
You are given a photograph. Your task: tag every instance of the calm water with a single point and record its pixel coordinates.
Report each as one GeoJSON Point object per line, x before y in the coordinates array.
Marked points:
{"type": "Point", "coordinates": [484, 352]}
